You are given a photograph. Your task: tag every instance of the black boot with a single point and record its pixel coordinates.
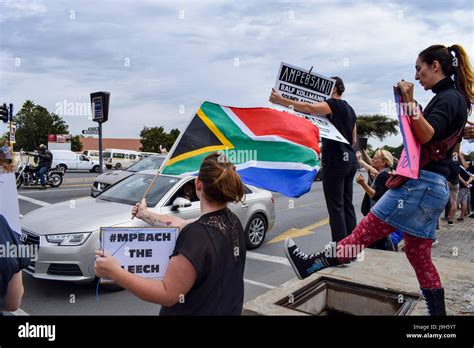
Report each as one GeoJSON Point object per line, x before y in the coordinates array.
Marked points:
{"type": "Point", "coordinates": [435, 300]}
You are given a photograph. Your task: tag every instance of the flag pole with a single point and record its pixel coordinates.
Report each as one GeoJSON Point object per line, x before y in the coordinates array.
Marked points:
{"type": "Point", "coordinates": [168, 156]}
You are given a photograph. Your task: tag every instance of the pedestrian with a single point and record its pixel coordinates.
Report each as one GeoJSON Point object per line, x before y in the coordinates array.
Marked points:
{"type": "Point", "coordinates": [205, 275]}
{"type": "Point", "coordinates": [465, 180]}
{"type": "Point", "coordinates": [453, 184]}
{"type": "Point", "coordinates": [470, 170]}
{"type": "Point", "coordinates": [414, 206]}
{"type": "Point", "coordinates": [339, 163]}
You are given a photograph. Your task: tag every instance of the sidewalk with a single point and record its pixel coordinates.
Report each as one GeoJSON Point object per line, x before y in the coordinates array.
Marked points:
{"type": "Point", "coordinates": [456, 242]}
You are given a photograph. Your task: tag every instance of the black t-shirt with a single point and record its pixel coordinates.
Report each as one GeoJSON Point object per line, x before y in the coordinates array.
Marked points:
{"type": "Point", "coordinates": [446, 113]}
{"type": "Point", "coordinates": [8, 265]}
{"type": "Point", "coordinates": [454, 169]}
{"type": "Point", "coordinates": [215, 245]}
{"type": "Point", "coordinates": [334, 153]}
{"type": "Point", "coordinates": [380, 189]}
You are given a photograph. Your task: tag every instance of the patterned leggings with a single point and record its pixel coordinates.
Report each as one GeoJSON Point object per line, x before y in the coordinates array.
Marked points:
{"type": "Point", "coordinates": [417, 250]}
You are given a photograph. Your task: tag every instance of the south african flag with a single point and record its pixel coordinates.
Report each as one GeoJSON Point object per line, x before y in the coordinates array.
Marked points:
{"type": "Point", "coordinates": [271, 149]}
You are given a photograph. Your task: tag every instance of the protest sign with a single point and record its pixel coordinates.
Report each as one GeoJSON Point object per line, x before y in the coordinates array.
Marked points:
{"type": "Point", "coordinates": [300, 85]}
{"type": "Point", "coordinates": [9, 207]}
{"type": "Point", "coordinates": [409, 162]}
{"type": "Point", "coordinates": [143, 251]}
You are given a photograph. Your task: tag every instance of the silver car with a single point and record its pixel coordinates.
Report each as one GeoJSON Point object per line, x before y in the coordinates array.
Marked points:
{"type": "Point", "coordinates": [67, 233]}
{"type": "Point", "coordinates": [105, 180]}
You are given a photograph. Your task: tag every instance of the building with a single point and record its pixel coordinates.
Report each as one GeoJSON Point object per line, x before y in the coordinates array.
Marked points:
{"type": "Point", "coordinates": [111, 143]}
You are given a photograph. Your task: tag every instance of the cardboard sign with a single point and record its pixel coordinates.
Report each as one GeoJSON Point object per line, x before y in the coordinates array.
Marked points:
{"type": "Point", "coordinates": [144, 251]}
{"type": "Point", "coordinates": [300, 85]}
{"type": "Point", "coordinates": [409, 162]}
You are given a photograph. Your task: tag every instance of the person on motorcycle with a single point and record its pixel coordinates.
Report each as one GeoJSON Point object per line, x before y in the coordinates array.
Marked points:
{"type": "Point", "coordinates": [44, 164]}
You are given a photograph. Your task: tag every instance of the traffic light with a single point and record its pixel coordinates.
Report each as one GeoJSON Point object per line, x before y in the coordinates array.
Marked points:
{"type": "Point", "coordinates": [4, 114]}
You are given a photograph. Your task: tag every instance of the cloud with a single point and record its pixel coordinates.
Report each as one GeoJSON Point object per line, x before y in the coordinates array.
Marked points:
{"type": "Point", "coordinates": [155, 57]}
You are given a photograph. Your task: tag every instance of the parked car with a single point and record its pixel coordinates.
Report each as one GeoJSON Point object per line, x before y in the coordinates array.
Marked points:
{"type": "Point", "coordinates": [68, 160]}
{"type": "Point", "coordinates": [120, 159]}
{"type": "Point", "coordinates": [68, 237]}
{"type": "Point", "coordinates": [105, 180]}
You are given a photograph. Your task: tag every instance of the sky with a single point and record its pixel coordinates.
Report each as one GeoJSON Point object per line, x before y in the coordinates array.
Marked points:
{"type": "Point", "coordinates": [161, 59]}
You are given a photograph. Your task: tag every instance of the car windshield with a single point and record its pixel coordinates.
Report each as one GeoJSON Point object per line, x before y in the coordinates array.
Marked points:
{"type": "Point", "coordinates": [106, 154]}
{"type": "Point", "coordinates": [146, 163]}
{"type": "Point", "coordinates": [131, 190]}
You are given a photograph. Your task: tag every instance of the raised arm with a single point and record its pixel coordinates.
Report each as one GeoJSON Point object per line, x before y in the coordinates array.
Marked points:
{"type": "Point", "coordinates": [321, 108]}
{"type": "Point", "coordinates": [141, 212]}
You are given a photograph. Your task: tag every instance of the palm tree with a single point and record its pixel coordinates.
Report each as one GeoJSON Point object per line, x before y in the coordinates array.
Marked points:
{"type": "Point", "coordinates": [379, 126]}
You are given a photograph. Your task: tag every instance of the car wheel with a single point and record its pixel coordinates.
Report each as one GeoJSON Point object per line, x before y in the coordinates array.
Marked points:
{"type": "Point", "coordinates": [95, 169]}
{"type": "Point", "coordinates": [255, 231]}
{"type": "Point", "coordinates": [62, 167]}
{"type": "Point", "coordinates": [118, 166]}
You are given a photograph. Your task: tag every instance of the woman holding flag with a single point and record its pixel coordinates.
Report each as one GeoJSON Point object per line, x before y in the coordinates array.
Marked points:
{"type": "Point", "coordinates": [415, 206]}
{"type": "Point", "coordinates": [205, 275]}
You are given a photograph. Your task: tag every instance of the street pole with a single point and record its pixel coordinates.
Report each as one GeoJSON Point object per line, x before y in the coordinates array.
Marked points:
{"type": "Point", "coordinates": [10, 129]}
{"type": "Point", "coordinates": [100, 148]}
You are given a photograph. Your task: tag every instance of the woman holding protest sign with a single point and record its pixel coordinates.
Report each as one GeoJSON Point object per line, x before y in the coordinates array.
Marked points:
{"type": "Point", "coordinates": [338, 159]}
{"type": "Point", "coordinates": [205, 275]}
{"type": "Point", "coordinates": [415, 205]}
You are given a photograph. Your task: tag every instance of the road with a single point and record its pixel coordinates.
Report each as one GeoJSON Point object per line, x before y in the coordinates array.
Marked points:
{"type": "Point", "coordinates": [304, 219]}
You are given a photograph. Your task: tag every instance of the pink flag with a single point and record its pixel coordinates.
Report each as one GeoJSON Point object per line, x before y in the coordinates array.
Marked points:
{"type": "Point", "coordinates": [409, 162]}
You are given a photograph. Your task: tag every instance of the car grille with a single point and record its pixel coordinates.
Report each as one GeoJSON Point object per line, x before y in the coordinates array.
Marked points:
{"type": "Point", "coordinates": [31, 239]}
{"type": "Point", "coordinates": [64, 269]}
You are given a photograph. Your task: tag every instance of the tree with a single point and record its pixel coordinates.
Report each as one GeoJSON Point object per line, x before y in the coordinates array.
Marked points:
{"type": "Point", "coordinates": [34, 123]}
{"type": "Point", "coordinates": [76, 144]}
{"type": "Point", "coordinates": [153, 137]}
{"type": "Point", "coordinates": [379, 126]}
{"type": "Point", "coordinates": [395, 151]}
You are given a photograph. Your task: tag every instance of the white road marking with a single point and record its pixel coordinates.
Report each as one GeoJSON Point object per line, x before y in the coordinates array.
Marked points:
{"type": "Point", "coordinates": [34, 201]}
{"type": "Point", "coordinates": [269, 258]}
{"type": "Point", "coordinates": [19, 312]}
{"type": "Point", "coordinates": [263, 285]}
{"type": "Point", "coordinates": [57, 190]}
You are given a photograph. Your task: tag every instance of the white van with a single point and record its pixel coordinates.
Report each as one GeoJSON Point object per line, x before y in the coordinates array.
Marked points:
{"type": "Point", "coordinates": [147, 154]}
{"type": "Point", "coordinates": [68, 160]}
{"type": "Point", "coordinates": [92, 154]}
{"type": "Point", "coordinates": [120, 159]}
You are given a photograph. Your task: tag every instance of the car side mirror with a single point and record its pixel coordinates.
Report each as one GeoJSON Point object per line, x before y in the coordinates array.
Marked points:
{"type": "Point", "coordinates": [180, 202]}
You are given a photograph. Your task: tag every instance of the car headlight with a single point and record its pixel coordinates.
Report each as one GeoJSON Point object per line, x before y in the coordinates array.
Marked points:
{"type": "Point", "coordinates": [68, 239]}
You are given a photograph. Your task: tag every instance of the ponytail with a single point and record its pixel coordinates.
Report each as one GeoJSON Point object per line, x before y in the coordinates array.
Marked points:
{"type": "Point", "coordinates": [457, 65]}
{"type": "Point", "coordinates": [463, 74]}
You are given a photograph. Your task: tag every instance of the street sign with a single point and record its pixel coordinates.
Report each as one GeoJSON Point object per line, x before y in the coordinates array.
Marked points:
{"type": "Point", "coordinates": [93, 129]}
{"type": "Point", "coordinates": [91, 132]}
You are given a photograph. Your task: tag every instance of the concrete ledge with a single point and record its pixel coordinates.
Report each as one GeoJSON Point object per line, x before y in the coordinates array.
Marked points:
{"type": "Point", "coordinates": [384, 270]}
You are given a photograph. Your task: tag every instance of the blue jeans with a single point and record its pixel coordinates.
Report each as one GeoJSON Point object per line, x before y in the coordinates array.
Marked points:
{"type": "Point", "coordinates": [415, 207]}
{"type": "Point", "coordinates": [41, 172]}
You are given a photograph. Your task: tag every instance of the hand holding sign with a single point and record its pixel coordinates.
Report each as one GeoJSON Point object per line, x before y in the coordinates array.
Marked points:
{"type": "Point", "coordinates": [106, 266]}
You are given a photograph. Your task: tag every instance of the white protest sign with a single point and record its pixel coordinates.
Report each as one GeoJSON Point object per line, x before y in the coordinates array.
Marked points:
{"type": "Point", "coordinates": [9, 207]}
{"type": "Point", "coordinates": [300, 85]}
{"type": "Point", "coordinates": [144, 251]}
